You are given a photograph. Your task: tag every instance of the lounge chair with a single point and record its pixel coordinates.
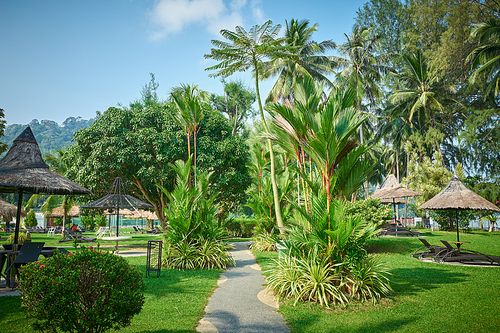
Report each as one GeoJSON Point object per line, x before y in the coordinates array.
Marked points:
{"type": "Point", "coordinates": [428, 250]}
{"type": "Point", "coordinates": [70, 236]}
{"type": "Point", "coordinates": [28, 253]}
{"type": "Point", "coordinates": [396, 229]}
{"type": "Point", "coordinates": [452, 254]}
{"type": "Point", "coordinates": [156, 231]}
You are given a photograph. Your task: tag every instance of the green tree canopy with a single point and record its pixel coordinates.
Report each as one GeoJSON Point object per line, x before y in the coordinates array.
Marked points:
{"type": "Point", "coordinates": [139, 145]}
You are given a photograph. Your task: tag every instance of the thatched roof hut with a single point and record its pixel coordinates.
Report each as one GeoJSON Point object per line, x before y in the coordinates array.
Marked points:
{"type": "Point", "coordinates": [24, 168]}
{"type": "Point", "coordinates": [8, 211]}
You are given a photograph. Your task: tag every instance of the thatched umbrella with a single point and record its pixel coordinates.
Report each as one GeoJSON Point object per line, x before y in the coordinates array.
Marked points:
{"type": "Point", "coordinates": [394, 191]}
{"type": "Point", "coordinates": [8, 210]}
{"type": "Point", "coordinates": [117, 199]}
{"type": "Point", "coordinates": [456, 196]}
{"type": "Point", "coordinates": [23, 170]}
{"type": "Point", "coordinates": [389, 182]}
{"type": "Point", "coordinates": [59, 212]}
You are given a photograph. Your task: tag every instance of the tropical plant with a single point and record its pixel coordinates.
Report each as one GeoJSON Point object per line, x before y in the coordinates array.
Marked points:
{"type": "Point", "coordinates": [236, 103]}
{"type": "Point", "coordinates": [246, 50]}
{"type": "Point", "coordinates": [486, 57]}
{"type": "Point", "coordinates": [195, 237]}
{"type": "Point", "coordinates": [307, 59]}
{"type": "Point", "coordinates": [189, 113]}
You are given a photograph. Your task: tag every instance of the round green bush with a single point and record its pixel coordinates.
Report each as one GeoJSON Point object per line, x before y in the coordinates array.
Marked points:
{"type": "Point", "coordinates": [87, 291]}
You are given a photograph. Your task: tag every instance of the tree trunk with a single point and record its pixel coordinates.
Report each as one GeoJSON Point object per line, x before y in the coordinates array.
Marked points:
{"type": "Point", "coordinates": [277, 208]}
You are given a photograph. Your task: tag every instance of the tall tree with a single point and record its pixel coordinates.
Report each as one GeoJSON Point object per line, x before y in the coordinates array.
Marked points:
{"type": "Point", "coordinates": [419, 101]}
{"type": "Point", "coordinates": [486, 57]}
{"type": "Point", "coordinates": [188, 101]}
{"type": "Point", "coordinates": [362, 69]}
{"type": "Point", "coordinates": [236, 103]}
{"type": "Point", "coordinates": [307, 60]}
{"type": "Point", "coordinates": [246, 50]}
{"type": "Point", "coordinates": [138, 146]}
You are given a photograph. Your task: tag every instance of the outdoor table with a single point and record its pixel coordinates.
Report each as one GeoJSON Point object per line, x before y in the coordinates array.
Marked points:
{"type": "Point", "coordinates": [459, 244]}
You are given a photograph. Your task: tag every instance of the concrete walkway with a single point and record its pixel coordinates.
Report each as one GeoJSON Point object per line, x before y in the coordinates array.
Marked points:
{"type": "Point", "coordinates": [240, 303]}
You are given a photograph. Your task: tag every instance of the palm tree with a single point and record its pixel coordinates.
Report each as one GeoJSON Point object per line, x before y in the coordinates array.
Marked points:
{"type": "Point", "coordinates": [329, 138]}
{"type": "Point", "coordinates": [188, 102]}
{"type": "Point", "coordinates": [486, 57]}
{"type": "Point", "coordinates": [246, 50]}
{"type": "Point", "coordinates": [306, 61]}
{"type": "Point", "coordinates": [420, 94]}
{"type": "Point", "coordinates": [58, 163]}
{"type": "Point", "coordinates": [361, 68]}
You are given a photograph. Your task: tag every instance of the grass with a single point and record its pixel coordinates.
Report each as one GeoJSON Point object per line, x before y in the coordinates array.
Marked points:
{"type": "Point", "coordinates": [427, 297]}
{"type": "Point", "coordinates": [175, 302]}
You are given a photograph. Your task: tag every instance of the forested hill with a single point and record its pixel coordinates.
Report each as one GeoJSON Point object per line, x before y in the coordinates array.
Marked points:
{"type": "Point", "coordinates": [49, 134]}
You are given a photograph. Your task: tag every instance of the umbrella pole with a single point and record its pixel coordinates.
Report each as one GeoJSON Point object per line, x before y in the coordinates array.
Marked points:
{"type": "Point", "coordinates": [18, 218]}
{"type": "Point", "coordinates": [458, 237]}
{"type": "Point", "coordinates": [396, 223]}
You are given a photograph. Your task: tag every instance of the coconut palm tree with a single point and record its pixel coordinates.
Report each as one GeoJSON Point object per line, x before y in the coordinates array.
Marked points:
{"type": "Point", "coordinates": [486, 57]}
{"type": "Point", "coordinates": [247, 50]}
{"type": "Point", "coordinates": [419, 100]}
{"type": "Point", "coordinates": [308, 60]}
{"type": "Point", "coordinates": [188, 102]}
{"type": "Point", "coordinates": [58, 163]}
{"type": "Point", "coordinates": [361, 68]}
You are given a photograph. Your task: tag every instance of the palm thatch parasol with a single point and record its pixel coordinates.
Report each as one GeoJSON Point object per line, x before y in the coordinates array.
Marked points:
{"type": "Point", "coordinates": [456, 196]}
{"type": "Point", "coordinates": [23, 170]}
{"type": "Point", "coordinates": [58, 212]}
{"type": "Point", "coordinates": [8, 210]}
{"type": "Point", "coordinates": [117, 199]}
{"type": "Point", "coordinates": [394, 191]}
{"type": "Point", "coordinates": [389, 182]}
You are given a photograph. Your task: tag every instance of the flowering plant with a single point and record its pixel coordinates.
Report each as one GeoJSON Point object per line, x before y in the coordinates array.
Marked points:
{"type": "Point", "coordinates": [87, 291]}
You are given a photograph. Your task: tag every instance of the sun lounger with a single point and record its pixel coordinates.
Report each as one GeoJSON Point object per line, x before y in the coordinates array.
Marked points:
{"type": "Point", "coordinates": [70, 236]}
{"type": "Point", "coordinates": [452, 254]}
{"type": "Point", "coordinates": [393, 229]}
{"type": "Point", "coordinates": [428, 250]}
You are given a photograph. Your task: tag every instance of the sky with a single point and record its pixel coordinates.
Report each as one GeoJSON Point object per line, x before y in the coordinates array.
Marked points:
{"type": "Point", "coordinates": [61, 59]}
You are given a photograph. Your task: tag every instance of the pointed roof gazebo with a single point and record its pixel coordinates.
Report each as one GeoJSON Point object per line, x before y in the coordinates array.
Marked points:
{"type": "Point", "coordinates": [23, 170]}
{"type": "Point", "coordinates": [117, 199]}
{"type": "Point", "coordinates": [456, 196]}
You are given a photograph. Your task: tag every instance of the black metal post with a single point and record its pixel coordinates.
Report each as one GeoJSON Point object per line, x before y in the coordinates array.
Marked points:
{"type": "Point", "coordinates": [18, 218]}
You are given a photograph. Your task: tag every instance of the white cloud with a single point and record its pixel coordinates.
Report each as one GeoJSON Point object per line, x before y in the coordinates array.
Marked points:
{"type": "Point", "coordinates": [258, 13]}
{"type": "Point", "coordinates": [172, 16]}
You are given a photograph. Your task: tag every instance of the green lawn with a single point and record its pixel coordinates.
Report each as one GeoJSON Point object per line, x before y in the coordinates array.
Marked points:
{"type": "Point", "coordinates": [175, 302]}
{"type": "Point", "coordinates": [428, 297]}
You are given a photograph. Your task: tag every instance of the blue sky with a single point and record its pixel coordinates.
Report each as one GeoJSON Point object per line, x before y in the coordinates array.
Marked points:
{"type": "Point", "coordinates": [72, 58]}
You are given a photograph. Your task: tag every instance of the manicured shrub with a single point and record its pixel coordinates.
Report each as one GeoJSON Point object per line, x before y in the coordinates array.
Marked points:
{"type": "Point", "coordinates": [30, 219]}
{"type": "Point", "coordinates": [88, 291]}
